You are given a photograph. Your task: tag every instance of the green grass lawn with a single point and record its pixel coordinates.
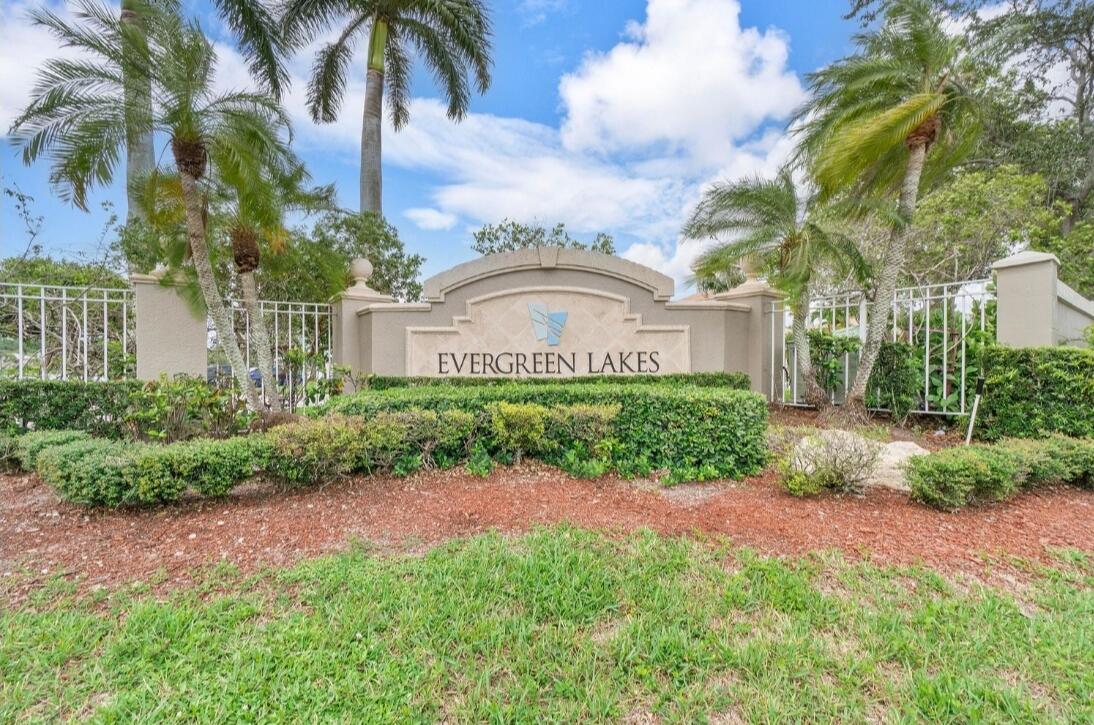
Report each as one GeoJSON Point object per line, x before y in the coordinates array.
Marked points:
{"type": "Point", "coordinates": [561, 625]}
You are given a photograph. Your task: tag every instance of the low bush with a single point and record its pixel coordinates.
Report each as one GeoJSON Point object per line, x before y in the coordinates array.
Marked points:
{"type": "Point", "coordinates": [957, 477]}
{"type": "Point", "coordinates": [96, 407]}
{"type": "Point", "coordinates": [832, 460]}
{"type": "Point", "coordinates": [1035, 392]}
{"type": "Point", "coordinates": [314, 450]}
{"type": "Point", "coordinates": [736, 381]}
{"type": "Point", "coordinates": [210, 467]}
{"type": "Point", "coordinates": [676, 428]}
{"type": "Point", "coordinates": [519, 428]}
{"type": "Point", "coordinates": [8, 450]}
{"type": "Point", "coordinates": [92, 472]}
{"type": "Point", "coordinates": [29, 446]}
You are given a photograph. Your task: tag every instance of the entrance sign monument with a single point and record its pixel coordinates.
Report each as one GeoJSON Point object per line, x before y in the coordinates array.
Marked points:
{"type": "Point", "coordinates": [553, 312]}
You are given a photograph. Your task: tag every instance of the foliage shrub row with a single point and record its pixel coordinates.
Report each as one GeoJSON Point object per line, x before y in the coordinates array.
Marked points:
{"type": "Point", "coordinates": [955, 477]}
{"type": "Point", "coordinates": [1034, 392]}
{"type": "Point", "coordinates": [163, 410]}
{"type": "Point", "coordinates": [736, 381]}
{"type": "Point", "coordinates": [105, 472]}
{"type": "Point", "coordinates": [686, 429]}
{"type": "Point", "coordinates": [96, 407]}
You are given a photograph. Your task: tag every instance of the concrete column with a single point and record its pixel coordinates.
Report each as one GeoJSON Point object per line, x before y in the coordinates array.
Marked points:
{"type": "Point", "coordinates": [347, 345]}
{"type": "Point", "coordinates": [764, 328]}
{"type": "Point", "coordinates": [1026, 292]}
{"type": "Point", "coordinates": [171, 338]}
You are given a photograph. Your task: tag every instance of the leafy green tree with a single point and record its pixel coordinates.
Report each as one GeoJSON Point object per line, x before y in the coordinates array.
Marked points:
{"type": "Point", "coordinates": [62, 272]}
{"type": "Point", "coordinates": [451, 37]}
{"type": "Point", "coordinates": [787, 234]}
{"type": "Point", "coordinates": [1075, 250]}
{"type": "Point", "coordinates": [978, 217]}
{"type": "Point", "coordinates": [868, 127]}
{"type": "Point", "coordinates": [508, 236]}
{"type": "Point", "coordinates": [1039, 39]}
{"type": "Point", "coordinates": [78, 118]}
{"type": "Point", "coordinates": [314, 265]}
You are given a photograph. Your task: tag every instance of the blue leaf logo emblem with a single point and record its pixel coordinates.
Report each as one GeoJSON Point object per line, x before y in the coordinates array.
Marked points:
{"type": "Point", "coordinates": [547, 326]}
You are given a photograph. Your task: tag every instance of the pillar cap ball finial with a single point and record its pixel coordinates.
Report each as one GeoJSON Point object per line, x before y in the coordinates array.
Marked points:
{"type": "Point", "coordinates": [360, 269]}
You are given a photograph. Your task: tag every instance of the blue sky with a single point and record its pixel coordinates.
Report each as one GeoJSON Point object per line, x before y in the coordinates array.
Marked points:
{"type": "Point", "coordinates": [609, 116]}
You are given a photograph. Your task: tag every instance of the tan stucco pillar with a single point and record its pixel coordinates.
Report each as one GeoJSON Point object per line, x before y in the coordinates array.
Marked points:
{"type": "Point", "coordinates": [765, 327]}
{"type": "Point", "coordinates": [1026, 292]}
{"type": "Point", "coordinates": [171, 338]}
{"type": "Point", "coordinates": [346, 345]}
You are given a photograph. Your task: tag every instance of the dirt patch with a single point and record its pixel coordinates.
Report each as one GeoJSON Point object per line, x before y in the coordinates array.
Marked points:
{"type": "Point", "coordinates": [931, 432]}
{"type": "Point", "coordinates": [262, 526]}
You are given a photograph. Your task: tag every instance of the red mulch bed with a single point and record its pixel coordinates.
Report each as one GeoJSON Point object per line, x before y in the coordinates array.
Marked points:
{"type": "Point", "coordinates": [260, 526]}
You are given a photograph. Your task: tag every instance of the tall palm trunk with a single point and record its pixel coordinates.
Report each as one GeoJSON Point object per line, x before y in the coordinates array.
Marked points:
{"type": "Point", "coordinates": [261, 341]}
{"type": "Point", "coordinates": [137, 90]}
{"type": "Point", "coordinates": [222, 322]}
{"type": "Point", "coordinates": [815, 395]}
{"type": "Point", "coordinates": [371, 123]}
{"type": "Point", "coordinates": [891, 264]}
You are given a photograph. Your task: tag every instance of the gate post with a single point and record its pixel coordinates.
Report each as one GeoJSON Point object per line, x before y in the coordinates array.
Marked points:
{"type": "Point", "coordinates": [1025, 289]}
{"type": "Point", "coordinates": [765, 332]}
{"type": "Point", "coordinates": [171, 338]}
{"type": "Point", "coordinates": [345, 326]}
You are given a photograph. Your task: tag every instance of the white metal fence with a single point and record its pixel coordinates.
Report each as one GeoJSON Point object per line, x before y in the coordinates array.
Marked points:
{"type": "Point", "coordinates": [87, 333]}
{"type": "Point", "coordinates": [65, 333]}
{"type": "Point", "coordinates": [943, 323]}
{"type": "Point", "coordinates": [300, 338]}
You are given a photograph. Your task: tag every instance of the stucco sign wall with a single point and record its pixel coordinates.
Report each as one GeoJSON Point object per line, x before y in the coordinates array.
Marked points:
{"type": "Point", "coordinates": [547, 331]}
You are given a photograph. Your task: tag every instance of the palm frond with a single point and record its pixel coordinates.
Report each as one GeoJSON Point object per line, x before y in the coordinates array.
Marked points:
{"type": "Point", "coordinates": [328, 81]}
{"type": "Point", "coordinates": [260, 39]}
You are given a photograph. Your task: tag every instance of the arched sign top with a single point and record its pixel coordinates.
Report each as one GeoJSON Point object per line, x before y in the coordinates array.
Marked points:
{"type": "Point", "coordinates": [660, 285]}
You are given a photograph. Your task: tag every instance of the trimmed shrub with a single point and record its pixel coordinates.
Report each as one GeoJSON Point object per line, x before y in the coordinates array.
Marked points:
{"type": "Point", "coordinates": [314, 450]}
{"type": "Point", "coordinates": [92, 472]}
{"type": "Point", "coordinates": [677, 428]}
{"type": "Point", "coordinates": [582, 425]}
{"type": "Point", "coordinates": [29, 446]}
{"type": "Point", "coordinates": [8, 450]}
{"type": "Point", "coordinates": [955, 477]}
{"type": "Point", "coordinates": [96, 407]}
{"type": "Point", "coordinates": [210, 467]}
{"type": "Point", "coordinates": [1034, 392]}
{"type": "Point", "coordinates": [832, 460]}
{"type": "Point", "coordinates": [519, 428]}
{"type": "Point", "coordinates": [736, 381]}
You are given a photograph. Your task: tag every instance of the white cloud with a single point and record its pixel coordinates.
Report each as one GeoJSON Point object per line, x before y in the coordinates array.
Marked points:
{"type": "Point", "coordinates": [431, 219]}
{"type": "Point", "coordinates": [689, 77]}
{"type": "Point", "coordinates": [685, 97]}
{"type": "Point", "coordinates": [23, 49]}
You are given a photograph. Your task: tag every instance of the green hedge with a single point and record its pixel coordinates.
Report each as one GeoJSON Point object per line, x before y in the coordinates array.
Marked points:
{"type": "Point", "coordinates": [96, 407]}
{"type": "Point", "coordinates": [956, 477]}
{"type": "Point", "coordinates": [682, 428]}
{"type": "Point", "coordinates": [1034, 392]}
{"type": "Point", "coordinates": [896, 381]}
{"type": "Point", "coordinates": [103, 472]}
{"type": "Point", "coordinates": [737, 381]}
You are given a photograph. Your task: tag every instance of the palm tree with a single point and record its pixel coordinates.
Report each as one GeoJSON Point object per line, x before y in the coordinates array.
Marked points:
{"type": "Point", "coordinates": [124, 47]}
{"type": "Point", "coordinates": [257, 217]}
{"type": "Point", "coordinates": [79, 118]}
{"type": "Point", "coordinates": [788, 234]}
{"type": "Point", "coordinates": [884, 120]}
{"type": "Point", "coordinates": [451, 36]}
